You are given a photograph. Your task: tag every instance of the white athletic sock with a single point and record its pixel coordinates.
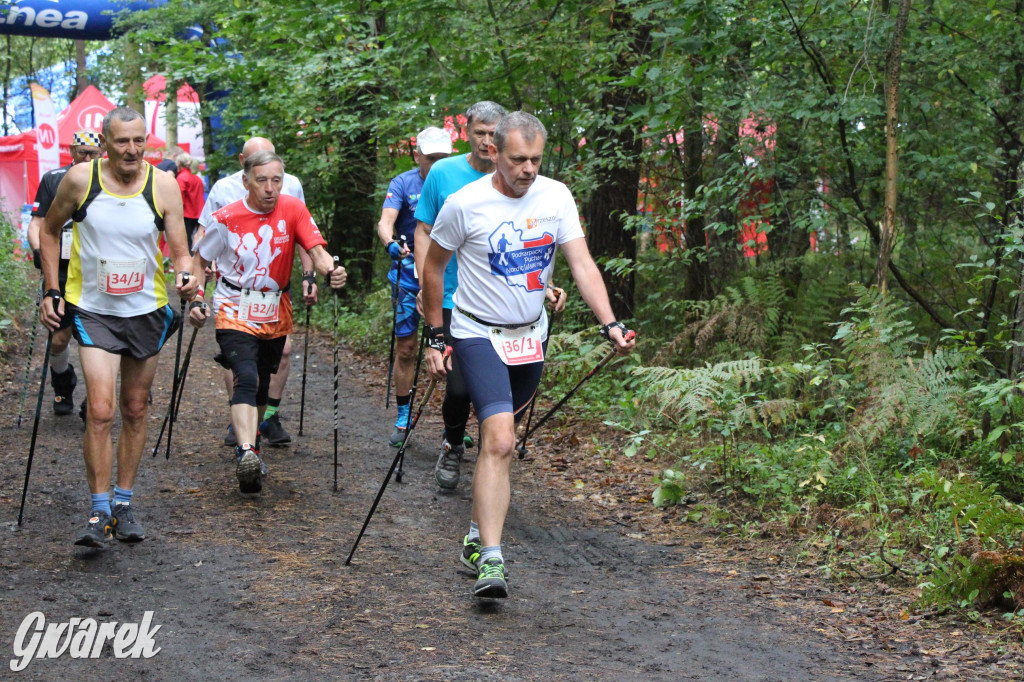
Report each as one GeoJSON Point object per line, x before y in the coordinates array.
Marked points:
{"type": "Point", "coordinates": [59, 361]}
{"type": "Point", "coordinates": [493, 552]}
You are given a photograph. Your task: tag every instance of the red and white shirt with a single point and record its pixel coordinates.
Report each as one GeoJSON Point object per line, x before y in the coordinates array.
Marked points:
{"type": "Point", "coordinates": [255, 252]}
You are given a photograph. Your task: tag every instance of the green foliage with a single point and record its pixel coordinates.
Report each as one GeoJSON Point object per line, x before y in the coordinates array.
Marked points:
{"type": "Point", "coordinates": [14, 294]}
{"type": "Point", "coordinates": [783, 386]}
{"type": "Point", "coordinates": [981, 530]}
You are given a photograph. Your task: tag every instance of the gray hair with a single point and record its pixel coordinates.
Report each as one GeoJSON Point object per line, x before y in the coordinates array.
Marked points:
{"type": "Point", "coordinates": [528, 125]}
{"type": "Point", "coordinates": [484, 111]}
{"type": "Point", "coordinates": [260, 158]}
{"type": "Point", "coordinates": [123, 114]}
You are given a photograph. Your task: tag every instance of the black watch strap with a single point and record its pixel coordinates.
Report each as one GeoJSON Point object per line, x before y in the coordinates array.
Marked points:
{"type": "Point", "coordinates": [608, 327]}
{"type": "Point", "coordinates": [435, 338]}
{"type": "Point", "coordinates": [54, 294]}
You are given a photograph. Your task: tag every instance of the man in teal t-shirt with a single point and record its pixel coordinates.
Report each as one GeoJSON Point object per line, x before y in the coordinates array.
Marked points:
{"type": "Point", "coordinates": [446, 177]}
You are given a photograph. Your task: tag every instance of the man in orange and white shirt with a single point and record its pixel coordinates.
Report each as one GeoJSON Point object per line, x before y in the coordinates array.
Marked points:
{"type": "Point", "coordinates": [253, 242]}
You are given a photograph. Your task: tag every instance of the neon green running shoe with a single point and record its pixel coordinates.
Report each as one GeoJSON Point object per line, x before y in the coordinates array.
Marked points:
{"type": "Point", "coordinates": [492, 580]}
{"type": "Point", "coordinates": [470, 553]}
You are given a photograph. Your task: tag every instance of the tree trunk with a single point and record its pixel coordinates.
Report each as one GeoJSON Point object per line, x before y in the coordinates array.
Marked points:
{"type": "Point", "coordinates": [171, 114]}
{"type": "Point", "coordinates": [893, 61]}
{"type": "Point", "coordinates": [350, 235]}
{"type": "Point", "coordinates": [698, 270]}
{"type": "Point", "coordinates": [81, 81]}
{"type": "Point", "coordinates": [617, 149]}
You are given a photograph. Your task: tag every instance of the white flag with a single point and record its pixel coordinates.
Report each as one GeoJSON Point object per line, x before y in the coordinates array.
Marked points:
{"type": "Point", "coordinates": [47, 142]}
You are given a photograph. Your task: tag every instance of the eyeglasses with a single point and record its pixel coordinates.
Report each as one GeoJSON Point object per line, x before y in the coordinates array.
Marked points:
{"type": "Point", "coordinates": [87, 154]}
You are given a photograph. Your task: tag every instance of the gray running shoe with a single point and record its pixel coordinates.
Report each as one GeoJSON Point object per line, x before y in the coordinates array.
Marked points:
{"type": "Point", "coordinates": [248, 469]}
{"type": "Point", "coordinates": [126, 528]}
{"type": "Point", "coordinates": [492, 581]}
{"type": "Point", "coordinates": [446, 471]}
{"type": "Point", "coordinates": [397, 436]}
{"type": "Point", "coordinates": [98, 532]}
{"type": "Point", "coordinates": [230, 439]}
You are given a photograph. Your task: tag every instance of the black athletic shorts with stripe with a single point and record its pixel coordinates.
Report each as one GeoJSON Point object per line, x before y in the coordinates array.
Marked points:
{"type": "Point", "coordinates": [139, 337]}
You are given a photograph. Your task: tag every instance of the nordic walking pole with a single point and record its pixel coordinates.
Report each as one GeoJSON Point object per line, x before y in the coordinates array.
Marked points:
{"type": "Point", "coordinates": [336, 261]}
{"type": "Point", "coordinates": [305, 356]}
{"type": "Point", "coordinates": [394, 463]}
{"type": "Point", "coordinates": [185, 276]}
{"type": "Point", "coordinates": [35, 426]}
{"type": "Point", "coordinates": [172, 412]}
{"type": "Point", "coordinates": [604, 361]}
{"type": "Point", "coordinates": [185, 364]}
{"type": "Point", "coordinates": [394, 325]}
{"type": "Point", "coordinates": [28, 361]}
{"type": "Point", "coordinates": [412, 400]}
{"type": "Point", "coordinates": [521, 449]}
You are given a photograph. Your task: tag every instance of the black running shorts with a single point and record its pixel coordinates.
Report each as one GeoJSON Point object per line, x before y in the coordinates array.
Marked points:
{"type": "Point", "coordinates": [252, 360]}
{"type": "Point", "coordinates": [139, 337]}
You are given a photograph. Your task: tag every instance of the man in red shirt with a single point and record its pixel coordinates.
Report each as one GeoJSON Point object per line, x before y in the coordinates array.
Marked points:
{"type": "Point", "coordinates": [191, 193]}
{"type": "Point", "coordinates": [253, 243]}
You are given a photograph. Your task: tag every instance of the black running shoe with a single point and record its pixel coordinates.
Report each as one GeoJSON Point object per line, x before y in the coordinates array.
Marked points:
{"type": "Point", "coordinates": [470, 553]}
{"type": "Point", "coordinates": [273, 432]}
{"type": "Point", "coordinates": [492, 581]}
{"type": "Point", "coordinates": [82, 411]}
{"type": "Point", "coordinates": [98, 532]}
{"type": "Point", "coordinates": [229, 438]}
{"type": "Point", "coordinates": [63, 390]}
{"type": "Point", "coordinates": [126, 528]}
{"type": "Point", "coordinates": [248, 469]}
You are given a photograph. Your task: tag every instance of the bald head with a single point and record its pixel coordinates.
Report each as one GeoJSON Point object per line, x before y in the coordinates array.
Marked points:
{"type": "Point", "coordinates": [253, 145]}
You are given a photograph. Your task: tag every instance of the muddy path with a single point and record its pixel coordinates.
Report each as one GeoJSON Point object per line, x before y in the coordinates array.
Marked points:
{"type": "Point", "coordinates": [257, 589]}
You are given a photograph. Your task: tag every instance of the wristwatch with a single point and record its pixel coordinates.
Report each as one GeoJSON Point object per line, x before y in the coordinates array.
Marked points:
{"type": "Point", "coordinates": [435, 338]}
{"type": "Point", "coordinates": [608, 327]}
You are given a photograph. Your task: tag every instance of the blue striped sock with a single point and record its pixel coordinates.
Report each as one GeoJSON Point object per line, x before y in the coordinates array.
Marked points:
{"type": "Point", "coordinates": [122, 496]}
{"type": "Point", "coordinates": [101, 502]}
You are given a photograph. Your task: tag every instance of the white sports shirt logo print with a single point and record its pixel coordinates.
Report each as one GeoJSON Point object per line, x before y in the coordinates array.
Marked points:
{"type": "Point", "coordinates": [254, 254]}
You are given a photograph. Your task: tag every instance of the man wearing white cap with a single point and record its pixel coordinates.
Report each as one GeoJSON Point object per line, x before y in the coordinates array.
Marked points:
{"type": "Point", "coordinates": [85, 146]}
{"type": "Point", "coordinates": [397, 220]}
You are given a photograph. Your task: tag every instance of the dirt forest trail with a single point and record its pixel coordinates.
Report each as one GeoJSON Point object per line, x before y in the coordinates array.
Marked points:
{"type": "Point", "coordinates": [257, 589]}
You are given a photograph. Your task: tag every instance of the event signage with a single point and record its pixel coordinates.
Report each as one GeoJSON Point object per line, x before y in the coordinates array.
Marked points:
{"type": "Point", "coordinates": [84, 19]}
{"type": "Point", "coordinates": [47, 141]}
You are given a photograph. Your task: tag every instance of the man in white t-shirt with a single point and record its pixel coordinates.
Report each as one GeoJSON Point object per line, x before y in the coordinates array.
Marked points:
{"type": "Point", "coordinates": [227, 191]}
{"type": "Point", "coordinates": [505, 228]}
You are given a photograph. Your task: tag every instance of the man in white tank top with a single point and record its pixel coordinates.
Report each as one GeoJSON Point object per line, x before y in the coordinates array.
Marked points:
{"type": "Point", "coordinates": [118, 299]}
